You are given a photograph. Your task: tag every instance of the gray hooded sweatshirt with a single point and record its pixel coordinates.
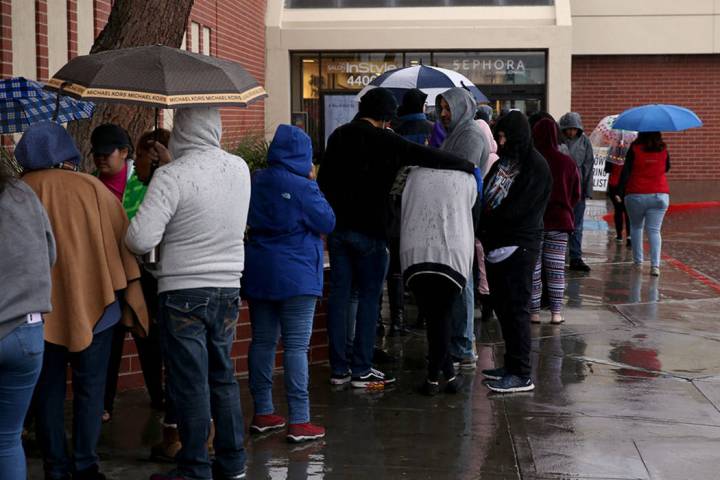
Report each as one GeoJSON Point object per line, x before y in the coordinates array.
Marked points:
{"type": "Point", "coordinates": [580, 149]}
{"type": "Point", "coordinates": [195, 208]}
{"type": "Point", "coordinates": [465, 138]}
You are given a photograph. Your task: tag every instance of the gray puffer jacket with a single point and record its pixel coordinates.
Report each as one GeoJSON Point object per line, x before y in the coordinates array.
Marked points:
{"type": "Point", "coordinates": [580, 149]}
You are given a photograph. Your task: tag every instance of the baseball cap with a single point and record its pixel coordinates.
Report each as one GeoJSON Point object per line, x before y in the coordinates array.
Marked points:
{"type": "Point", "coordinates": [107, 137]}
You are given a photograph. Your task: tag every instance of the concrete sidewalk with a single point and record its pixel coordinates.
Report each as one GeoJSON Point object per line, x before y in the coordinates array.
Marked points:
{"type": "Point", "coordinates": [628, 388]}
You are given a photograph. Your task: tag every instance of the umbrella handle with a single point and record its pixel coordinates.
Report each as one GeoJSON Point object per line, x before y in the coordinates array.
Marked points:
{"type": "Point", "coordinates": [57, 101]}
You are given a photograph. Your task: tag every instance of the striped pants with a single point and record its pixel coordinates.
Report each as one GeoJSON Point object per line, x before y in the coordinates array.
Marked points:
{"type": "Point", "coordinates": [550, 265]}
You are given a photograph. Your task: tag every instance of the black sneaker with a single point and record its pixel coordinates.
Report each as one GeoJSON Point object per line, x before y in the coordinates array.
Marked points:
{"type": "Point", "coordinates": [494, 373]}
{"type": "Point", "coordinates": [579, 266]}
{"type": "Point", "coordinates": [453, 385]}
{"type": "Point", "coordinates": [628, 243]}
{"type": "Point", "coordinates": [340, 378]}
{"type": "Point", "coordinates": [373, 377]}
{"type": "Point", "coordinates": [511, 384]}
{"type": "Point", "coordinates": [429, 388]}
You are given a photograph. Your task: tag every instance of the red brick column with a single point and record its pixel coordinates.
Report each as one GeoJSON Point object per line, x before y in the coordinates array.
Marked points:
{"type": "Point", "coordinates": [41, 39]}
{"type": "Point", "coordinates": [72, 28]}
{"type": "Point", "coordinates": [101, 8]}
{"type": "Point", "coordinates": [6, 57]}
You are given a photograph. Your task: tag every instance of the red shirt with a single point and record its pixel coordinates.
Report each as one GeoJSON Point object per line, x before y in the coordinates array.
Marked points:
{"type": "Point", "coordinates": [116, 183]}
{"type": "Point", "coordinates": [647, 174]}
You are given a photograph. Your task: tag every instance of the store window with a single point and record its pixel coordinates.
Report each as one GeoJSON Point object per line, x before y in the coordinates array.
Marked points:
{"type": "Point", "coordinates": [411, 3]}
{"type": "Point", "coordinates": [324, 85]}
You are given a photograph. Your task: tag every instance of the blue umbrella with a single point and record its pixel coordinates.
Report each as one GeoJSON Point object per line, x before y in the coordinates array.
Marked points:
{"type": "Point", "coordinates": [431, 80]}
{"type": "Point", "coordinates": [657, 118]}
{"type": "Point", "coordinates": [24, 102]}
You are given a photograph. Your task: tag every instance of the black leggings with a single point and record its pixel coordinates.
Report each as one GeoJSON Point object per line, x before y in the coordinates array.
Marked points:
{"type": "Point", "coordinates": [620, 213]}
{"type": "Point", "coordinates": [435, 295]}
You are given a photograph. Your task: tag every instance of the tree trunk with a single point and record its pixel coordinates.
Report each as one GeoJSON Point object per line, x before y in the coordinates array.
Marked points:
{"type": "Point", "coordinates": [132, 23]}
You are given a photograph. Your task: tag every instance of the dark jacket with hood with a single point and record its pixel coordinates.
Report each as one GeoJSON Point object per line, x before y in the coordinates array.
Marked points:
{"type": "Point", "coordinates": [580, 149]}
{"type": "Point", "coordinates": [517, 220]}
{"type": "Point", "coordinates": [566, 181]}
{"type": "Point", "coordinates": [413, 123]}
{"type": "Point", "coordinates": [288, 213]}
{"type": "Point", "coordinates": [359, 168]}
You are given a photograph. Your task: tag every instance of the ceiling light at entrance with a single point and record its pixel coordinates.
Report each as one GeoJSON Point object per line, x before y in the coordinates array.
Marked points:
{"type": "Point", "coordinates": [308, 60]}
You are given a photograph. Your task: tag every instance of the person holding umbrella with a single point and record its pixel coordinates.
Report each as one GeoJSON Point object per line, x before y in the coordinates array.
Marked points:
{"type": "Point", "coordinates": [645, 189]}
{"type": "Point", "coordinates": [196, 210]}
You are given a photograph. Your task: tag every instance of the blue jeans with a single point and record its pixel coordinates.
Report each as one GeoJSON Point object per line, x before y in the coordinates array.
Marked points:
{"type": "Point", "coordinates": [648, 210]}
{"type": "Point", "coordinates": [575, 242]}
{"type": "Point", "coordinates": [89, 371]}
{"type": "Point", "coordinates": [360, 261]}
{"type": "Point", "coordinates": [197, 328]}
{"type": "Point", "coordinates": [292, 318]}
{"type": "Point", "coordinates": [463, 323]}
{"type": "Point", "coordinates": [21, 354]}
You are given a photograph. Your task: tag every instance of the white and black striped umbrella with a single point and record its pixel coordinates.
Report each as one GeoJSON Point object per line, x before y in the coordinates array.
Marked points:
{"type": "Point", "coordinates": [431, 80]}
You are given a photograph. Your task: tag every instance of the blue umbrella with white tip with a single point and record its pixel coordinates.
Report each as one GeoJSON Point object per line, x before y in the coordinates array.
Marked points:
{"type": "Point", "coordinates": [657, 118]}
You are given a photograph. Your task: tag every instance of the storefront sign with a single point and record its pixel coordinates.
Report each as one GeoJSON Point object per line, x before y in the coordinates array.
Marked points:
{"type": "Point", "coordinates": [506, 65]}
{"type": "Point", "coordinates": [356, 74]}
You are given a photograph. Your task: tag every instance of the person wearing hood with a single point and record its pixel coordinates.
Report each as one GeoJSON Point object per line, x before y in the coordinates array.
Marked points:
{"type": "Point", "coordinates": [515, 195]}
{"type": "Point", "coordinates": [195, 210]}
{"type": "Point", "coordinates": [93, 271]}
{"type": "Point", "coordinates": [465, 139]}
{"type": "Point", "coordinates": [360, 165]}
{"type": "Point", "coordinates": [284, 278]}
{"type": "Point", "coordinates": [580, 149]}
{"type": "Point", "coordinates": [28, 254]}
{"type": "Point", "coordinates": [558, 221]}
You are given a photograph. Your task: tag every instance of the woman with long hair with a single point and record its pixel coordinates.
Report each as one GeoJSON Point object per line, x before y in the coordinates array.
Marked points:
{"type": "Point", "coordinates": [644, 184]}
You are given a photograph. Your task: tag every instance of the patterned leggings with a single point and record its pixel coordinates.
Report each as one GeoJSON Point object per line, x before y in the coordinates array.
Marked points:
{"type": "Point", "coordinates": [551, 262]}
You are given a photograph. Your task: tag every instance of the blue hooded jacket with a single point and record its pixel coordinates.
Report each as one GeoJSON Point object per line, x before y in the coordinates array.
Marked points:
{"type": "Point", "coordinates": [288, 213]}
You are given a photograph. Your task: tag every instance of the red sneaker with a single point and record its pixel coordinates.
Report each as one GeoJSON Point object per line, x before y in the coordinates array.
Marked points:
{"type": "Point", "coordinates": [265, 423]}
{"type": "Point", "coordinates": [304, 432]}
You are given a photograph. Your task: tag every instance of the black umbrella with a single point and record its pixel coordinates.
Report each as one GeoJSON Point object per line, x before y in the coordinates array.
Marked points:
{"type": "Point", "coordinates": [157, 76]}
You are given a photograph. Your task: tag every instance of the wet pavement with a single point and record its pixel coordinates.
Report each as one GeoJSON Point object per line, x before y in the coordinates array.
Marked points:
{"type": "Point", "coordinates": [627, 388]}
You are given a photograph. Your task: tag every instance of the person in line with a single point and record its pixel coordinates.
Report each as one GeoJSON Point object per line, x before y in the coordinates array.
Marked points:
{"type": "Point", "coordinates": [580, 149]}
{"type": "Point", "coordinates": [28, 247]}
{"type": "Point", "coordinates": [95, 285]}
{"type": "Point", "coordinates": [284, 278]}
{"type": "Point", "coordinates": [111, 148]}
{"type": "Point", "coordinates": [415, 127]}
{"type": "Point", "coordinates": [436, 249]}
{"type": "Point", "coordinates": [558, 222]}
{"type": "Point", "coordinates": [516, 192]}
{"type": "Point", "coordinates": [620, 215]}
{"type": "Point", "coordinates": [482, 289]}
{"type": "Point", "coordinates": [360, 165]}
{"type": "Point", "coordinates": [195, 209]}
{"type": "Point", "coordinates": [646, 193]}
{"type": "Point", "coordinates": [465, 139]}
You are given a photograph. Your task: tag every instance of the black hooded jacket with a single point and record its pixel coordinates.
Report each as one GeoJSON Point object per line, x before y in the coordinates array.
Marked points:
{"type": "Point", "coordinates": [518, 219]}
{"type": "Point", "coordinates": [359, 167]}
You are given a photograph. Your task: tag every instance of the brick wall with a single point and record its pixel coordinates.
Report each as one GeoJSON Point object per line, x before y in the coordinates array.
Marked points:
{"type": "Point", "coordinates": [238, 34]}
{"type": "Point", "coordinates": [6, 54]}
{"type": "Point", "coordinates": [606, 85]}
{"type": "Point", "coordinates": [131, 374]}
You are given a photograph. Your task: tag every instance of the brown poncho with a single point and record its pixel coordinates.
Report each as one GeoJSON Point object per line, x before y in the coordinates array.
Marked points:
{"type": "Point", "coordinates": [93, 263]}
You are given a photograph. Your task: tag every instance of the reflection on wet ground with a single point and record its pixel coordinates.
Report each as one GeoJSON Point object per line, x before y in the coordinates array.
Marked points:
{"type": "Point", "coordinates": [628, 388]}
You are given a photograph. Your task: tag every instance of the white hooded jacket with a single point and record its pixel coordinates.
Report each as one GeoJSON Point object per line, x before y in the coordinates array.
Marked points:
{"type": "Point", "coordinates": [195, 208]}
